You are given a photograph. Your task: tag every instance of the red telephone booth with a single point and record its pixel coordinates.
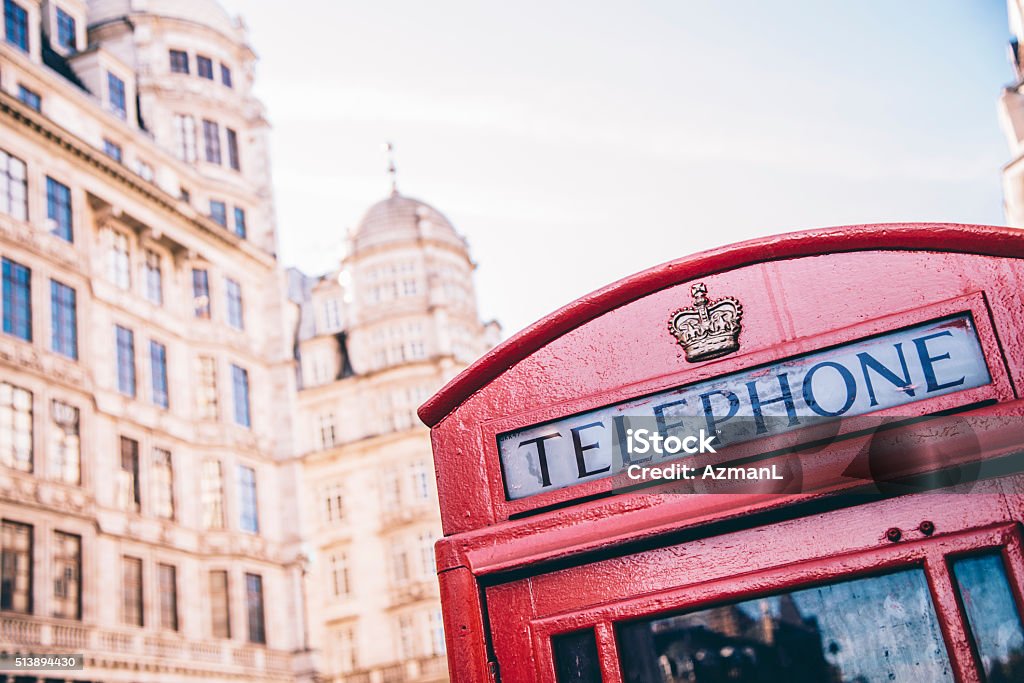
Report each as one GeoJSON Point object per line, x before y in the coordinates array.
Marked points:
{"type": "Point", "coordinates": [868, 378]}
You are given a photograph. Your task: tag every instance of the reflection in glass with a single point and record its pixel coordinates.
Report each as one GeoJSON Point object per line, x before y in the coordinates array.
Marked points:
{"type": "Point", "coordinates": [992, 615]}
{"type": "Point", "coordinates": [881, 628]}
{"type": "Point", "coordinates": [576, 657]}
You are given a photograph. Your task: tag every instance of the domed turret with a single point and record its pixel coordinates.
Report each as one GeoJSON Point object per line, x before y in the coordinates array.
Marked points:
{"type": "Point", "coordinates": [399, 218]}
{"type": "Point", "coordinates": [206, 12]}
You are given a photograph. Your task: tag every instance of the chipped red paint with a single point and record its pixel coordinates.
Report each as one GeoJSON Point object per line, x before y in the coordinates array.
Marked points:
{"type": "Point", "coordinates": [513, 573]}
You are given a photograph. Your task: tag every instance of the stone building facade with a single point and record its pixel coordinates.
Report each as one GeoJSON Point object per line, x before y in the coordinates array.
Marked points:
{"type": "Point", "coordinates": [376, 339]}
{"type": "Point", "coordinates": [210, 467]}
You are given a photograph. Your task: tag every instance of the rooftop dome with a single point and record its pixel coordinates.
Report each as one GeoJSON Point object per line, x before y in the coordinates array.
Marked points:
{"type": "Point", "coordinates": [399, 218]}
{"type": "Point", "coordinates": [205, 12]}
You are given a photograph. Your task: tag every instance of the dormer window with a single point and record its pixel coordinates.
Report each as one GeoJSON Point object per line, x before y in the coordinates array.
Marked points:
{"type": "Point", "coordinates": [66, 36]}
{"type": "Point", "coordinates": [116, 97]}
{"type": "Point", "coordinates": [179, 62]}
{"type": "Point", "coordinates": [16, 24]}
{"type": "Point", "coordinates": [204, 67]}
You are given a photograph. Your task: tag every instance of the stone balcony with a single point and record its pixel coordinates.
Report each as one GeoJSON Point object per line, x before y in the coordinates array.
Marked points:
{"type": "Point", "coordinates": [108, 649]}
{"type": "Point", "coordinates": [422, 670]}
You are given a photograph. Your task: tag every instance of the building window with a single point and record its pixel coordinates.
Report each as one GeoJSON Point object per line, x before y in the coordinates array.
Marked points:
{"type": "Point", "coordinates": [334, 503]}
{"type": "Point", "coordinates": [327, 434]}
{"type": "Point", "coordinates": [340, 576]}
{"type": "Point", "coordinates": [113, 150]}
{"type": "Point", "coordinates": [428, 568]}
{"type": "Point", "coordinates": [406, 637]}
{"type": "Point", "coordinates": [204, 67]}
{"type": "Point", "coordinates": [131, 591]}
{"type": "Point", "coordinates": [219, 212]}
{"type": "Point", "coordinates": [391, 490]}
{"type": "Point", "coordinates": [67, 575]}
{"type": "Point", "coordinates": [233, 159]}
{"type": "Point", "coordinates": [240, 390]}
{"type": "Point", "coordinates": [158, 373]}
{"type": "Point", "coordinates": [144, 170]}
{"type": "Point", "coordinates": [15, 427]}
{"type": "Point", "coordinates": [179, 62]}
{"type": "Point", "coordinates": [248, 514]}
{"type": "Point", "coordinates": [16, 24]}
{"type": "Point", "coordinates": [162, 477]}
{"type": "Point", "coordinates": [16, 567]}
{"type": "Point", "coordinates": [206, 396]}
{"type": "Point", "coordinates": [66, 456]}
{"type": "Point", "coordinates": [332, 315]}
{"type": "Point", "coordinates": [254, 608]}
{"type": "Point", "coordinates": [116, 97]}
{"type": "Point", "coordinates": [167, 577]}
{"type": "Point", "coordinates": [67, 37]}
{"type": "Point", "coordinates": [201, 293]}
{"type": "Point", "coordinates": [240, 222]}
{"type": "Point", "coordinates": [13, 187]}
{"type": "Point", "coordinates": [437, 643]}
{"type": "Point", "coordinates": [399, 561]}
{"type": "Point", "coordinates": [129, 491]}
{"type": "Point", "coordinates": [119, 263]}
{"type": "Point", "coordinates": [58, 208]}
{"type": "Point", "coordinates": [185, 134]}
{"type": "Point", "coordinates": [225, 75]}
{"type": "Point", "coordinates": [212, 491]}
{"type": "Point", "coordinates": [63, 320]}
{"type": "Point", "coordinates": [220, 604]}
{"type": "Point", "coordinates": [125, 360]}
{"type": "Point", "coordinates": [154, 278]}
{"type": "Point", "coordinates": [17, 300]}
{"type": "Point", "coordinates": [234, 295]}
{"type": "Point", "coordinates": [211, 141]}
{"type": "Point", "coordinates": [348, 649]}
{"type": "Point", "coordinates": [421, 480]}
{"type": "Point", "coordinates": [30, 98]}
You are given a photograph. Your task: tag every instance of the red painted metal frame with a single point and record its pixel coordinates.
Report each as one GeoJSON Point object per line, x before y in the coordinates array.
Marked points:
{"type": "Point", "coordinates": [495, 571]}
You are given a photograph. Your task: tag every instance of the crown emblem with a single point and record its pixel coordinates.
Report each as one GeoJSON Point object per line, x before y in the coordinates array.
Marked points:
{"type": "Point", "coordinates": [710, 329]}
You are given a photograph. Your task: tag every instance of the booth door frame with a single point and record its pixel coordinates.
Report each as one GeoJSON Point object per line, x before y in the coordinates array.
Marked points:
{"type": "Point", "coordinates": [523, 646]}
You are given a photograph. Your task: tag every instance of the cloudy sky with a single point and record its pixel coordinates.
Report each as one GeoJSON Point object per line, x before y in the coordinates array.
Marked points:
{"type": "Point", "coordinates": [575, 143]}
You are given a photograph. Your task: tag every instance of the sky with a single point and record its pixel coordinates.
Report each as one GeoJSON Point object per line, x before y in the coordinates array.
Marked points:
{"type": "Point", "coordinates": [575, 143]}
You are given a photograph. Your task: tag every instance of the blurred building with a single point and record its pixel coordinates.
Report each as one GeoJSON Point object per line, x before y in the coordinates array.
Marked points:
{"type": "Point", "coordinates": [1011, 118]}
{"type": "Point", "coordinates": [147, 490]}
{"type": "Point", "coordinates": [376, 339]}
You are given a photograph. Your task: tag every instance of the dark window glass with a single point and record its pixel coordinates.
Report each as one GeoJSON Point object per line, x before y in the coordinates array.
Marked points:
{"type": "Point", "coordinates": [158, 371]}
{"type": "Point", "coordinates": [66, 34]}
{"type": "Point", "coordinates": [67, 575]}
{"type": "Point", "coordinates": [16, 24]}
{"type": "Point", "coordinates": [248, 515]}
{"type": "Point", "coordinates": [113, 150]}
{"type": "Point", "coordinates": [179, 62]}
{"type": "Point", "coordinates": [30, 97]}
{"type": "Point", "coordinates": [211, 141]}
{"type": "Point", "coordinates": [17, 293]}
{"type": "Point", "coordinates": [131, 591]}
{"type": "Point", "coordinates": [881, 628]}
{"type": "Point", "coordinates": [234, 292]}
{"type": "Point", "coordinates": [130, 492]}
{"type": "Point", "coordinates": [220, 612]}
{"type": "Point", "coordinates": [201, 293]}
{"type": "Point", "coordinates": [233, 159]}
{"type": "Point", "coordinates": [125, 360]}
{"type": "Point", "coordinates": [576, 657]}
{"type": "Point", "coordinates": [225, 75]}
{"type": "Point", "coordinates": [115, 96]}
{"type": "Point", "coordinates": [219, 212]}
{"type": "Point", "coordinates": [204, 67]}
{"type": "Point", "coordinates": [167, 575]}
{"type": "Point", "coordinates": [992, 615]}
{"type": "Point", "coordinates": [240, 387]}
{"type": "Point", "coordinates": [240, 228]}
{"type": "Point", "coordinates": [58, 208]}
{"type": "Point", "coordinates": [16, 567]}
{"type": "Point", "coordinates": [63, 319]}
{"type": "Point", "coordinates": [254, 607]}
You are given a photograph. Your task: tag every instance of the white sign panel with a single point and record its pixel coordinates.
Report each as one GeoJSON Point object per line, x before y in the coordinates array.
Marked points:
{"type": "Point", "coordinates": [893, 369]}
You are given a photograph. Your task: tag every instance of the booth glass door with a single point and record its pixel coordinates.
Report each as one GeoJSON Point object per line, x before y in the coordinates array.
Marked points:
{"type": "Point", "coordinates": [940, 609]}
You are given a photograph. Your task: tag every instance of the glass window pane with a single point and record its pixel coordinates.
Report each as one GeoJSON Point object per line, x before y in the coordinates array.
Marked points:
{"type": "Point", "coordinates": [576, 657]}
{"type": "Point", "coordinates": [992, 615]}
{"type": "Point", "coordinates": [881, 628]}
